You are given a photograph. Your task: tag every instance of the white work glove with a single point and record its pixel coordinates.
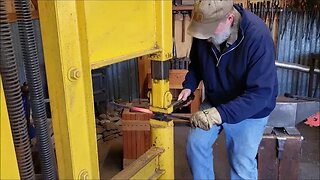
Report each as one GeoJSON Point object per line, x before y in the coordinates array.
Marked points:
{"type": "Point", "coordinates": [205, 119]}
{"type": "Point", "coordinates": [184, 94]}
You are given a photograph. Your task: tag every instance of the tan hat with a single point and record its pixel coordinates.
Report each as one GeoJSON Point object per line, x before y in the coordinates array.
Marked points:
{"type": "Point", "coordinates": [206, 16]}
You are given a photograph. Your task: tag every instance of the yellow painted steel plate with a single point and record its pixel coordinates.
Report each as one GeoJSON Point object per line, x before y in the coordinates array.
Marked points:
{"type": "Point", "coordinates": [119, 30]}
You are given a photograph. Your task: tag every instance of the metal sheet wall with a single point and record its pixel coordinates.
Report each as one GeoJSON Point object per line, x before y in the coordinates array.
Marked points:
{"type": "Point", "coordinates": [117, 81]}
{"type": "Point", "coordinates": [299, 37]}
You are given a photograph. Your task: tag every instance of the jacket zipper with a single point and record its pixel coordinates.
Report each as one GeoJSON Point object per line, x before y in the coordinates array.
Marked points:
{"type": "Point", "coordinates": [226, 52]}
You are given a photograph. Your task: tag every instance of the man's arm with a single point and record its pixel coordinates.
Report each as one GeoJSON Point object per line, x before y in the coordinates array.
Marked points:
{"type": "Point", "coordinates": [260, 84]}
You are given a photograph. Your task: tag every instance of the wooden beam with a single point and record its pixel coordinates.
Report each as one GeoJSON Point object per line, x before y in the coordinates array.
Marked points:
{"type": "Point", "coordinates": [10, 9]}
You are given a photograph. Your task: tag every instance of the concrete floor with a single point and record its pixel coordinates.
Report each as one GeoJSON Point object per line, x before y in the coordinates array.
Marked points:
{"type": "Point", "coordinates": [309, 166]}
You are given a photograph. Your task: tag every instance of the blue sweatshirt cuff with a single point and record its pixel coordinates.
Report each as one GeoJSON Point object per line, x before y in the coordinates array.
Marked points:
{"type": "Point", "coordinates": [222, 113]}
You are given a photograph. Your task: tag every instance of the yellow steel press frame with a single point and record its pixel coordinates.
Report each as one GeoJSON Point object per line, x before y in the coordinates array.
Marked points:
{"type": "Point", "coordinates": [79, 36]}
{"type": "Point", "coordinates": [8, 161]}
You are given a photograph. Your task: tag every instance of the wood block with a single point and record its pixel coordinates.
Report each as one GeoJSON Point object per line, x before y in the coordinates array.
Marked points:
{"type": "Point", "coordinates": [136, 134]}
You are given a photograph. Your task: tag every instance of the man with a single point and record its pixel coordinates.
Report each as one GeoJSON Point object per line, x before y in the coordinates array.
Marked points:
{"type": "Point", "coordinates": [233, 54]}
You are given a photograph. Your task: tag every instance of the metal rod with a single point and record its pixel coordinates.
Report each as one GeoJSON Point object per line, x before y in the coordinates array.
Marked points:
{"type": "Point", "coordinates": [294, 66]}
{"type": "Point", "coordinates": [32, 69]}
{"type": "Point", "coordinates": [12, 91]}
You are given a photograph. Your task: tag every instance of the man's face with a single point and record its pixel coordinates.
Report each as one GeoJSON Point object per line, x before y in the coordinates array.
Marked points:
{"type": "Point", "coordinates": [222, 32]}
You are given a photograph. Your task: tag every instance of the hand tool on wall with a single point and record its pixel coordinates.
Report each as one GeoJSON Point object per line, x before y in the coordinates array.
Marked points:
{"type": "Point", "coordinates": [285, 18]}
{"type": "Point", "coordinates": [259, 9]}
{"type": "Point", "coordinates": [251, 6]}
{"type": "Point", "coordinates": [268, 19]}
{"type": "Point", "coordinates": [264, 11]}
{"type": "Point", "coordinates": [174, 49]}
{"type": "Point", "coordinates": [275, 8]}
{"type": "Point", "coordinates": [183, 32]}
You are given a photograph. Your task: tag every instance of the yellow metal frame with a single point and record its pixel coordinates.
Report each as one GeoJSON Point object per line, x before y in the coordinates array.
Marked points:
{"type": "Point", "coordinates": [70, 88]}
{"type": "Point", "coordinates": [81, 35]}
{"type": "Point", "coordinates": [162, 137]}
{"type": "Point", "coordinates": [8, 160]}
{"type": "Point", "coordinates": [160, 97]}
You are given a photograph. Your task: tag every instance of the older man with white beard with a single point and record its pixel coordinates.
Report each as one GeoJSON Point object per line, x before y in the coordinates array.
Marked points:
{"type": "Point", "coordinates": [233, 54]}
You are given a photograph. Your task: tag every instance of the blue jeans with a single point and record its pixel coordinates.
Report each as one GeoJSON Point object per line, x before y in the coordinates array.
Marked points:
{"type": "Point", "coordinates": [242, 140]}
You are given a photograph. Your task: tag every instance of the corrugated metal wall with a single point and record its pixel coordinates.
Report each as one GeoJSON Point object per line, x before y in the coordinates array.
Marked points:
{"type": "Point", "coordinates": [117, 81]}
{"type": "Point", "coordinates": [299, 37]}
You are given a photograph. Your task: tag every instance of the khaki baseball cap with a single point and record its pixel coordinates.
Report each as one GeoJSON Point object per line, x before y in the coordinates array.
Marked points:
{"type": "Point", "coordinates": [206, 16]}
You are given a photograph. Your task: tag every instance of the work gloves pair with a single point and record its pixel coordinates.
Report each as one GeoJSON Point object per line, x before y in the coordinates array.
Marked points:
{"type": "Point", "coordinates": [204, 119]}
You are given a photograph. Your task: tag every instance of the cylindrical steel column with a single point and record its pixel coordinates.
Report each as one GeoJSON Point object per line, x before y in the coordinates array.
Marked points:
{"type": "Point", "coordinates": [162, 137]}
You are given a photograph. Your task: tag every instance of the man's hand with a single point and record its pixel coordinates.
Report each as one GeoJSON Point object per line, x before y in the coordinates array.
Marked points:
{"type": "Point", "coordinates": [205, 119]}
{"type": "Point", "coordinates": [184, 94]}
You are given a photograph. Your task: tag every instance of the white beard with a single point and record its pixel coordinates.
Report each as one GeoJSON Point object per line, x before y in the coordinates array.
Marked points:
{"type": "Point", "coordinates": [220, 38]}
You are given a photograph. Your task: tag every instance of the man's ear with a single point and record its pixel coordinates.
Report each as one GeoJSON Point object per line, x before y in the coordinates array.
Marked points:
{"type": "Point", "coordinates": [230, 18]}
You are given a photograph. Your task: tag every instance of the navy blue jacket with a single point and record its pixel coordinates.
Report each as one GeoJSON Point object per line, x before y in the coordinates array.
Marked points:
{"type": "Point", "coordinates": [241, 82]}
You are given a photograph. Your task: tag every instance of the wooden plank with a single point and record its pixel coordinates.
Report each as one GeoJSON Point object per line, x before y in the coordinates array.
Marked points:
{"type": "Point", "coordinates": [10, 9]}
{"type": "Point", "coordinates": [146, 118]}
{"type": "Point", "coordinates": [182, 8]}
{"type": "Point", "coordinates": [126, 135]}
{"type": "Point", "coordinates": [195, 105]}
{"type": "Point", "coordinates": [127, 162]}
{"type": "Point", "coordinates": [35, 4]}
{"type": "Point", "coordinates": [133, 146]}
{"type": "Point", "coordinates": [147, 137]}
{"type": "Point", "coordinates": [139, 138]}
{"type": "Point", "coordinates": [125, 144]}
{"type": "Point", "coordinates": [140, 134]}
{"type": "Point", "coordinates": [135, 125]}
{"type": "Point", "coordinates": [9, 5]}
{"type": "Point", "coordinates": [141, 165]}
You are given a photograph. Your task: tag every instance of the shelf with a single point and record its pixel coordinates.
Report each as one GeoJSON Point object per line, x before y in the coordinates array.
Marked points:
{"type": "Point", "coordinates": [182, 8]}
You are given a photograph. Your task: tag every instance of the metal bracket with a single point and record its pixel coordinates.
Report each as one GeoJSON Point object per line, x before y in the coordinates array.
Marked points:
{"type": "Point", "coordinates": [280, 146]}
{"type": "Point", "coordinates": [281, 140]}
{"type": "Point", "coordinates": [292, 131]}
